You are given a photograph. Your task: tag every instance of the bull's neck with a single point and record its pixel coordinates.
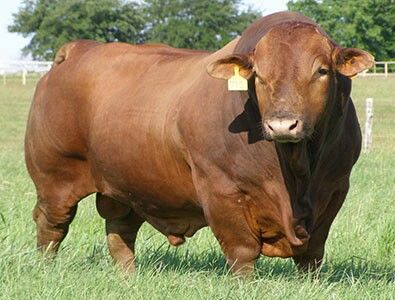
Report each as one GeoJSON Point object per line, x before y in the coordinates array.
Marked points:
{"type": "Point", "coordinates": [301, 162]}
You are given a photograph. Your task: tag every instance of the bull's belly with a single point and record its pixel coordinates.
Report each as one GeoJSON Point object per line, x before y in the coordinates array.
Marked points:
{"type": "Point", "coordinates": [180, 222]}
{"type": "Point", "coordinates": [159, 188]}
{"type": "Point", "coordinates": [136, 158]}
{"type": "Point", "coordinates": [172, 215]}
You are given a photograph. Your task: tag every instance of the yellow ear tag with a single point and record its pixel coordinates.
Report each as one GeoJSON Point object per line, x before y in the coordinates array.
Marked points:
{"type": "Point", "coordinates": [237, 82]}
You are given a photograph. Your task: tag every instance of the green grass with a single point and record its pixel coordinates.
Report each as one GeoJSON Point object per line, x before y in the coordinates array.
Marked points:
{"type": "Point", "coordinates": [360, 257]}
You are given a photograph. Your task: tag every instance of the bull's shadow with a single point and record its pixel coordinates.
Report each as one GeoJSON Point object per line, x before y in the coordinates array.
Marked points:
{"type": "Point", "coordinates": [249, 120]}
{"type": "Point", "coordinates": [359, 268]}
{"type": "Point", "coordinates": [213, 261]}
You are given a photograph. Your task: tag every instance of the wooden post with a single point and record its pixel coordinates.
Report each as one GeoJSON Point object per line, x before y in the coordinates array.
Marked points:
{"type": "Point", "coordinates": [367, 141]}
{"type": "Point", "coordinates": [4, 79]}
{"type": "Point", "coordinates": [386, 69]}
{"type": "Point", "coordinates": [24, 73]}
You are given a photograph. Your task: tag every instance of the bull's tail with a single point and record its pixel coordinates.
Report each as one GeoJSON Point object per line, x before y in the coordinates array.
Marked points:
{"type": "Point", "coordinates": [63, 53]}
{"type": "Point", "coordinates": [71, 49]}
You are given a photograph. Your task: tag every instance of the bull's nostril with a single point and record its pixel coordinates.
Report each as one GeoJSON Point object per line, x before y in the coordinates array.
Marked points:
{"type": "Point", "coordinates": [270, 127]}
{"type": "Point", "coordinates": [293, 126]}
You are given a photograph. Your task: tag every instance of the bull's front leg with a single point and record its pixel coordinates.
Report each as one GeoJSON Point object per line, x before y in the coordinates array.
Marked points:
{"type": "Point", "coordinates": [227, 221]}
{"type": "Point", "coordinates": [312, 259]}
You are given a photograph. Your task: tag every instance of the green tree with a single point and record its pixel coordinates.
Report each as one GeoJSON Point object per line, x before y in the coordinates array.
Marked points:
{"type": "Point", "coordinates": [51, 23]}
{"type": "Point", "coordinates": [367, 24]}
{"type": "Point", "coordinates": [203, 24]}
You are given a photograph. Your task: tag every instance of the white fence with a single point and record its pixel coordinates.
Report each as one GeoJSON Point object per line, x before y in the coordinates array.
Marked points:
{"type": "Point", "coordinates": [23, 68]}
{"type": "Point", "coordinates": [381, 68]}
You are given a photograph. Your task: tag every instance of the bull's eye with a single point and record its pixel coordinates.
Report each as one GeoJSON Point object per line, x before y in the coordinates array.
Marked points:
{"type": "Point", "coordinates": [323, 71]}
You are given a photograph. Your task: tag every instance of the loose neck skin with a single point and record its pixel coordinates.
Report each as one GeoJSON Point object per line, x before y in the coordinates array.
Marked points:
{"type": "Point", "coordinates": [301, 162]}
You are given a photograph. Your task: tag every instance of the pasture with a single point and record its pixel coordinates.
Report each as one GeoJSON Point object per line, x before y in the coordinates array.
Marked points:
{"type": "Point", "coordinates": [360, 255]}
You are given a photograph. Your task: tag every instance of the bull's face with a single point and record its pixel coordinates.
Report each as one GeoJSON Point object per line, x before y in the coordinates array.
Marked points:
{"type": "Point", "coordinates": [293, 67]}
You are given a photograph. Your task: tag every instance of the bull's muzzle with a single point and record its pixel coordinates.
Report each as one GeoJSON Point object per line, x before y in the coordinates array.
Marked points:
{"type": "Point", "coordinates": [284, 130]}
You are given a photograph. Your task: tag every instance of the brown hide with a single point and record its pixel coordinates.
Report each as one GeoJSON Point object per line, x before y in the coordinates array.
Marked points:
{"type": "Point", "coordinates": [159, 140]}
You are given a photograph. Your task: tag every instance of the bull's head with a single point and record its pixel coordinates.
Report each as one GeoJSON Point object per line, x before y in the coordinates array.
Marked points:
{"type": "Point", "coordinates": [293, 67]}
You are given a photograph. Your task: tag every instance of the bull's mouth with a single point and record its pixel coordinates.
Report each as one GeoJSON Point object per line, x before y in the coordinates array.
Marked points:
{"type": "Point", "coordinates": [287, 140]}
{"type": "Point", "coordinates": [282, 139]}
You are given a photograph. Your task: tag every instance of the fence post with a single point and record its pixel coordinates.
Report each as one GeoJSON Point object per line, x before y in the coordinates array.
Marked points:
{"type": "Point", "coordinates": [386, 69]}
{"type": "Point", "coordinates": [367, 141]}
{"type": "Point", "coordinates": [24, 73]}
{"type": "Point", "coordinates": [3, 74]}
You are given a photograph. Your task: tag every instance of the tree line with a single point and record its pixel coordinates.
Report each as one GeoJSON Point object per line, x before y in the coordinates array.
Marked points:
{"type": "Point", "coordinates": [366, 24]}
{"type": "Point", "coordinates": [202, 24]}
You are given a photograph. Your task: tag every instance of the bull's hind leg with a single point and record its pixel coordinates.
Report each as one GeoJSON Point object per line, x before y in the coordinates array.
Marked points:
{"type": "Point", "coordinates": [122, 225]}
{"type": "Point", "coordinates": [53, 213]}
{"type": "Point", "coordinates": [58, 192]}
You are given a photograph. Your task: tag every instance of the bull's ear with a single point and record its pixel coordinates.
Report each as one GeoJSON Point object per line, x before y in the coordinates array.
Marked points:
{"type": "Point", "coordinates": [224, 67]}
{"type": "Point", "coordinates": [351, 61]}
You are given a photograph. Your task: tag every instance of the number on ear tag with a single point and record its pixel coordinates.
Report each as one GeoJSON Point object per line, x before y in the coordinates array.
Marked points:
{"type": "Point", "coordinates": [237, 82]}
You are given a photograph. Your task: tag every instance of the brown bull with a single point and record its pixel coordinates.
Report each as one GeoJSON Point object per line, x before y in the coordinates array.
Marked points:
{"type": "Point", "coordinates": [158, 139]}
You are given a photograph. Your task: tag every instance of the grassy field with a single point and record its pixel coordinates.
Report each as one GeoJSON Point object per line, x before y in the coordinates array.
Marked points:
{"type": "Point", "coordinates": [360, 257]}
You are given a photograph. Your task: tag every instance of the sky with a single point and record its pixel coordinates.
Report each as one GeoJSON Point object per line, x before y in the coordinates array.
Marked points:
{"type": "Point", "coordinates": [12, 43]}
